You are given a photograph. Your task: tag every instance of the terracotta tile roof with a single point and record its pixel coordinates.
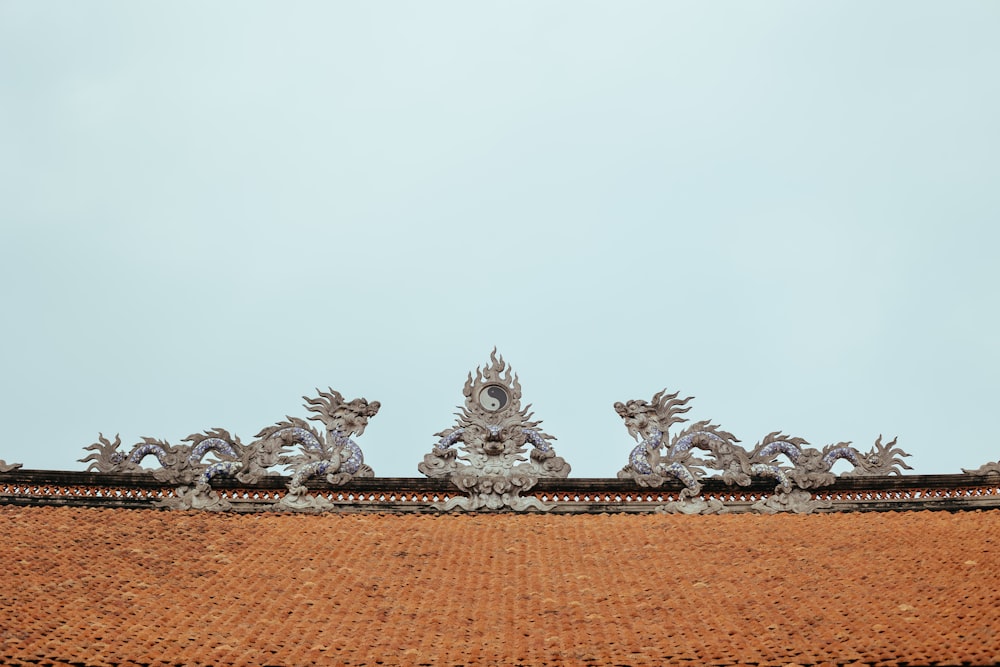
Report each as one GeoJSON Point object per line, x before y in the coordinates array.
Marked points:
{"type": "Point", "coordinates": [91, 586]}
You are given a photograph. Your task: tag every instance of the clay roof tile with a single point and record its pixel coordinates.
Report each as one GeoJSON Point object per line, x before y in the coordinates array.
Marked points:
{"type": "Point", "coordinates": [143, 587]}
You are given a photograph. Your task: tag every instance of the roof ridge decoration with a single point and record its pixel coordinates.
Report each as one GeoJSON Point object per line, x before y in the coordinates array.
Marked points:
{"type": "Point", "coordinates": [332, 453]}
{"type": "Point", "coordinates": [8, 467]}
{"type": "Point", "coordinates": [492, 433]}
{"type": "Point", "coordinates": [992, 468]}
{"type": "Point", "coordinates": [658, 457]}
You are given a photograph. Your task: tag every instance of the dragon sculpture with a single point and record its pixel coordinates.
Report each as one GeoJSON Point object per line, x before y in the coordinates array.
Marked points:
{"type": "Point", "coordinates": [483, 454]}
{"type": "Point", "coordinates": [333, 454]}
{"type": "Point", "coordinates": [659, 457]}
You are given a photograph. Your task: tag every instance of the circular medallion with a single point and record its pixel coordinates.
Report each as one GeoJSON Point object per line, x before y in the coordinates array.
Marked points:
{"type": "Point", "coordinates": [493, 397]}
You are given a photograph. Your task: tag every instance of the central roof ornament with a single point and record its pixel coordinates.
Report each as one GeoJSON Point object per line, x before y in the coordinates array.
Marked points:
{"type": "Point", "coordinates": [484, 453]}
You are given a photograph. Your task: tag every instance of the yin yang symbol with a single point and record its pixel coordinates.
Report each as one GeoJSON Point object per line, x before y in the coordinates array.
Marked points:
{"type": "Point", "coordinates": [493, 398]}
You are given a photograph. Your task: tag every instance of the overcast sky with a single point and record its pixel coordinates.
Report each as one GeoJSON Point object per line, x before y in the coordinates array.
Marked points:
{"type": "Point", "coordinates": [787, 210]}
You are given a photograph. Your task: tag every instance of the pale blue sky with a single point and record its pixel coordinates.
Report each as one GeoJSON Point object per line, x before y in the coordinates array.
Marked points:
{"type": "Point", "coordinates": [788, 210]}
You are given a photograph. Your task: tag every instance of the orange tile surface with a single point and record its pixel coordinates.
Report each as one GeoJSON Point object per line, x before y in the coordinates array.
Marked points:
{"type": "Point", "coordinates": [140, 587]}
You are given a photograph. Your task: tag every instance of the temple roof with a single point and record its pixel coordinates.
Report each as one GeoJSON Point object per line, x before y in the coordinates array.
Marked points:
{"type": "Point", "coordinates": [98, 586]}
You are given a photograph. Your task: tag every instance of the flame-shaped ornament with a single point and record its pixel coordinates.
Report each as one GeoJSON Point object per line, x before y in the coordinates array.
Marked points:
{"type": "Point", "coordinates": [484, 453]}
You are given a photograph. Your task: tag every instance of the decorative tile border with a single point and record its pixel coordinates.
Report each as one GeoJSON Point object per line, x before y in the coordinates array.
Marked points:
{"type": "Point", "coordinates": [404, 495]}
